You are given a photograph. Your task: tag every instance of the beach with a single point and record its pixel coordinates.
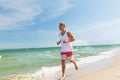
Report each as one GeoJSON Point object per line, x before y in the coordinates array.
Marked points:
{"type": "Point", "coordinates": [30, 64]}
{"type": "Point", "coordinates": [110, 73]}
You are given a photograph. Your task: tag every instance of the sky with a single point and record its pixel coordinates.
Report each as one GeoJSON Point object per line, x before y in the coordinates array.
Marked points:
{"type": "Point", "coordinates": [34, 23]}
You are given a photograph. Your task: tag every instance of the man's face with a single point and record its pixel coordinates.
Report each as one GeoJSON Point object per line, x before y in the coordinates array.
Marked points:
{"type": "Point", "coordinates": [62, 28]}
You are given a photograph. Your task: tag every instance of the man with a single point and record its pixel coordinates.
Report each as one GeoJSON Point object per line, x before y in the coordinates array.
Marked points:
{"type": "Point", "coordinates": [66, 38]}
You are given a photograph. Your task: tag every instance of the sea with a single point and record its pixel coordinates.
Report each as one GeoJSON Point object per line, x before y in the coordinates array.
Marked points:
{"type": "Point", "coordinates": [29, 60]}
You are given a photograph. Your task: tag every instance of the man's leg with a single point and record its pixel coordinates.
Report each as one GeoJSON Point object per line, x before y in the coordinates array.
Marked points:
{"type": "Point", "coordinates": [63, 69]}
{"type": "Point", "coordinates": [74, 62]}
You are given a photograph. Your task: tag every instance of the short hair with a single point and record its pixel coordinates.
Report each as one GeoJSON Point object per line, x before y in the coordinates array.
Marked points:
{"type": "Point", "coordinates": [62, 24]}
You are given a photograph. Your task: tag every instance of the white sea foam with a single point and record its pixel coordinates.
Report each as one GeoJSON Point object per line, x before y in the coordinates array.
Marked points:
{"type": "Point", "coordinates": [48, 52]}
{"type": "Point", "coordinates": [0, 56]}
{"type": "Point", "coordinates": [76, 50]}
{"type": "Point", "coordinates": [86, 65]}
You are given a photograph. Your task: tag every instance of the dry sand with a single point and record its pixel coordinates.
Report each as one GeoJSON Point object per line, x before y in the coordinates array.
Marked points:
{"type": "Point", "coordinates": [110, 73]}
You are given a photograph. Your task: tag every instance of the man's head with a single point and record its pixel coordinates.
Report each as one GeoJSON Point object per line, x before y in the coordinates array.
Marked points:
{"type": "Point", "coordinates": [62, 26]}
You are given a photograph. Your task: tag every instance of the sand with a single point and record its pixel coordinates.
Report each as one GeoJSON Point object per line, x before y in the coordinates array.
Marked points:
{"type": "Point", "coordinates": [110, 73]}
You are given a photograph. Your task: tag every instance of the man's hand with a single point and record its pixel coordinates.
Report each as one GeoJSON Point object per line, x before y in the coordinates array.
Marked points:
{"type": "Point", "coordinates": [66, 41]}
{"type": "Point", "coordinates": [58, 43]}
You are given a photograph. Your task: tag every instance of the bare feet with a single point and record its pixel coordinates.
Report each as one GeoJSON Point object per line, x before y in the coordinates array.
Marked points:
{"type": "Point", "coordinates": [63, 78]}
{"type": "Point", "coordinates": [75, 64]}
{"type": "Point", "coordinates": [76, 67]}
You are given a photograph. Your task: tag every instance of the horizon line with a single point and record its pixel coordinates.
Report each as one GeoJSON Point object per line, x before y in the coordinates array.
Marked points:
{"type": "Point", "coordinates": [58, 46]}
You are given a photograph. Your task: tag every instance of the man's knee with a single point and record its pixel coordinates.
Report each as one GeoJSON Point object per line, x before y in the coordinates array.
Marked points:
{"type": "Point", "coordinates": [63, 61]}
{"type": "Point", "coordinates": [71, 60]}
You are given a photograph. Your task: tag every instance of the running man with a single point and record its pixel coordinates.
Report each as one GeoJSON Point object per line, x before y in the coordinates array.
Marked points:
{"type": "Point", "coordinates": [66, 38]}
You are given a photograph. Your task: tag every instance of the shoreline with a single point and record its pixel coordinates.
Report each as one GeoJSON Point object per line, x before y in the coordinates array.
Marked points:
{"type": "Point", "coordinates": [110, 73]}
{"type": "Point", "coordinates": [96, 63]}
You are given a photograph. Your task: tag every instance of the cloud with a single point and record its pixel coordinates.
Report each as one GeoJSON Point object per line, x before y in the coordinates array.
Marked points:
{"type": "Point", "coordinates": [110, 34]}
{"type": "Point", "coordinates": [22, 45]}
{"type": "Point", "coordinates": [17, 13]}
{"type": "Point", "coordinates": [98, 26]}
{"type": "Point", "coordinates": [106, 29]}
{"type": "Point", "coordinates": [54, 9]}
{"type": "Point", "coordinates": [105, 32]}
{"type": "Point", "coordinates": [47, 32]}
{"type": "Point", "coordinates": [14, 14]}
{"type": "Point", "coordinates": [105, 24]}
{"type": "Point", "coordinates": [10, 45]}
{"type": "Point", "coordinates": [42, 31]}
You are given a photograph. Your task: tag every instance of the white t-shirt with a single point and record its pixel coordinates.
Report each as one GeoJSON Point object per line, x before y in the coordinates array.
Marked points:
{"type": "Point", "coordinates": [65, 47]}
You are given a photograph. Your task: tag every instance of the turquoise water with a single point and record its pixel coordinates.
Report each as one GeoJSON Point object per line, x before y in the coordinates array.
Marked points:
{"type": "Point", "coordinates": [13, 61]}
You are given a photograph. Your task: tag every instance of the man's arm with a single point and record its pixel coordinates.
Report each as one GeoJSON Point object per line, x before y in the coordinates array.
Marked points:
{"type": "Point", "coordinates": [58, 42]}
{"type": "Point", "coordinates": [70, 35]}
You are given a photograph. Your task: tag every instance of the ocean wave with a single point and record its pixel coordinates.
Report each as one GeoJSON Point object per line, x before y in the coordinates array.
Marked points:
{"type": "Point", "coordinates": [48, 51]}
{"type": "Point", "coordinates": [0, 56]}
{"type": "Point", "coordinates": [75, 49]}
{"type": "Point", "coordinates": [95, 63]}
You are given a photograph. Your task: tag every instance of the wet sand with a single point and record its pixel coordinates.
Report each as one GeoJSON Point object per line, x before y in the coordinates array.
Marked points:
{"type": "Point", "coordinates": [110, 73]}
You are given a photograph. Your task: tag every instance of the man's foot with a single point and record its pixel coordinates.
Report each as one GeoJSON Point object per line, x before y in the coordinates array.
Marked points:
{"type": "Point", "coordinates": [73, 61]}
{"type": "Point", "coordinates": [63, 78]}
{"type": "Point", "coordinates": [76, 67]}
